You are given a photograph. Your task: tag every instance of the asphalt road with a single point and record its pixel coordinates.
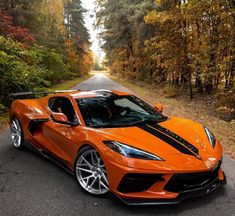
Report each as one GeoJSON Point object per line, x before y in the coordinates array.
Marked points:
{"type": "Point", "coordinates": [32, 185]}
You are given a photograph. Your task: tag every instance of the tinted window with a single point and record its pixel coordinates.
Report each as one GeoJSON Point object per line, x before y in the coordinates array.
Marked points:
{"type": "Point", "coordinates": [117, 111]}
{"type": "Point", "coordinates": [63, 105]}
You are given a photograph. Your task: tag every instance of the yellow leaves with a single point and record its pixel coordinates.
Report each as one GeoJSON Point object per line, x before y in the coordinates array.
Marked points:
{"type": "Point", "coordinates": [151, 17]}
{"type": "Point", "coordinates": [87, 62]}
{"type": "Point", "coordinates": [158, 2]}
{"type": "Point", "coordinates": [155, 17]}
{"type": "Point", "coordinates": [53, 17]}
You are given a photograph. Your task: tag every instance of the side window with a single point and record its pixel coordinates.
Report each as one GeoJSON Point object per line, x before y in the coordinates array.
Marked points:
{"type": "Point", "coordinates": [63, 105]}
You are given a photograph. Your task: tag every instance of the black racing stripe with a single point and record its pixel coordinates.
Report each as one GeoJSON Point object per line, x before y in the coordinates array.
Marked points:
{"type": "Point", "coordinates": [166, 139]}
{"type": "Point", "coordinates": [176, 137]}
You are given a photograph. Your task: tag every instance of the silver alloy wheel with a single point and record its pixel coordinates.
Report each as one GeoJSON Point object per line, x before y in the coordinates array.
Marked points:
{"type": "Point", "coordinates": [91, 172]}
{"type": "Point", "coordinates": [16, 133]}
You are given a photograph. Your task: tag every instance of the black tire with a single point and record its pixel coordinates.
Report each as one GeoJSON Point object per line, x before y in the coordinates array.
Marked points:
{"type": "Point", "coordinates": [17, 131]}
{"type": "Point", "coordinates": [97, 172]}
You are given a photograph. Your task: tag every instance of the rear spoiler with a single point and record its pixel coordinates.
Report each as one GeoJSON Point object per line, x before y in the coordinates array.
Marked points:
{"type": "Point", "coordinates": [24, 95]}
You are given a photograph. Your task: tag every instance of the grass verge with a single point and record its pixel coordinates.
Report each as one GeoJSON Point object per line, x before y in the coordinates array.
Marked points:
{"type": "Point", "coordinates": [200, 109]}
{"type": "Point", "coordinates": [69, 83]}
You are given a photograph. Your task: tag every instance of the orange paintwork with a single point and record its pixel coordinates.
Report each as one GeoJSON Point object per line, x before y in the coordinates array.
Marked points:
{"type": "Point", "coordinates": [64, 141]}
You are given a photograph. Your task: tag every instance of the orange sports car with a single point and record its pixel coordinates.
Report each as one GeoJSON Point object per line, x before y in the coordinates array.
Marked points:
{"type": "Point", "coordinates": [115, 142]}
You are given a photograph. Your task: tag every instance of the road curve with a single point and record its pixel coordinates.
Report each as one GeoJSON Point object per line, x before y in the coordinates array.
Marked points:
{"type": "Point", "coordinates": [32, 185]}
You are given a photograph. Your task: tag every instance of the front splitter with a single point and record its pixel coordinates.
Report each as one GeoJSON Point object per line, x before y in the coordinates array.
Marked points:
{"type": "Point", "coordinates": [202, 191]}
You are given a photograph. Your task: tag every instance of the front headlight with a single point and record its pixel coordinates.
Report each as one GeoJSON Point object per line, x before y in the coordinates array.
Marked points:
{"type": "Point", "coordinates": [129, 151]}
{"type": "Point", "coordinates": [210, 137]}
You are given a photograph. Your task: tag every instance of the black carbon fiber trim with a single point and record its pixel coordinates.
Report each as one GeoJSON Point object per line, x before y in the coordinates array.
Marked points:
{"type": "Point", "coordinates": [34, 124]}
{"type": "Point", "coordinates": [201, 191]}
{"type": "Point", "coordinates": [138, 182]}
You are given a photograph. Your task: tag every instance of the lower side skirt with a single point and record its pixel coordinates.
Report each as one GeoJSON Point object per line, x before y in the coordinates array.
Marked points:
{"type": "Point", "coordinates": [49, 156]}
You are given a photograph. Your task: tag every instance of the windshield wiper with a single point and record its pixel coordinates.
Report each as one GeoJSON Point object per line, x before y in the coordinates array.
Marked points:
{"type": "Point", "coordinates": [138, 122]}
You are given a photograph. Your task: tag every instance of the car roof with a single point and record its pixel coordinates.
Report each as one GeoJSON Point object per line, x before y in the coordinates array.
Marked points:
{"type": "Point", "coordinates": [76, 94]}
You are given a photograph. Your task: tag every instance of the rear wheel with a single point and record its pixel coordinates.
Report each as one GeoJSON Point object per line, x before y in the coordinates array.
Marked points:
{"type": "Point", "coordinates": [90, 172]}
{"type": "Point", "coordinates": [17, 135]}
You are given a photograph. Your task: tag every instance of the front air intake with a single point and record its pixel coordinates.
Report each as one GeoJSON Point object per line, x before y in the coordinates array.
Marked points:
{"type": "Point", "coordinates": [135, 182]}
{"type": "Point", "coordinates": [190, 181]}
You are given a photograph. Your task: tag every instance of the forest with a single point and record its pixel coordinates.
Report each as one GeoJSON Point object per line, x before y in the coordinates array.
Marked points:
{"type": "Point", "coordinates": [188, 44]}
{"type": "Point", "coordinates": [42, 42]}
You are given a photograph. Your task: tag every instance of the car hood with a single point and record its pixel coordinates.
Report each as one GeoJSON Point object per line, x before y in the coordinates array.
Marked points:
{"type": "Point", "coordinates": [174, 138]}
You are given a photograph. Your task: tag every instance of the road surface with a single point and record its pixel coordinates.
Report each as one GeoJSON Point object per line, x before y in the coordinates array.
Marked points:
{"type": "Point", "coordinates": [32, 185]}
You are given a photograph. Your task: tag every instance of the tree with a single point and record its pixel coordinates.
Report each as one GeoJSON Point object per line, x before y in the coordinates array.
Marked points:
{"type": "Point", "coordinates": [77, 38]}
{"type": "Point", "coordinates": [186, 43]}
{"type": "Point", "coordinates": [45, 42]}
{"type": "Point", "coordinates": [16, 32]}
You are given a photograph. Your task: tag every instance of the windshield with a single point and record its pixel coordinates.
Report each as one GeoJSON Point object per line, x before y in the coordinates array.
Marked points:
{"type": "Point", "coordinates": [117, 111]}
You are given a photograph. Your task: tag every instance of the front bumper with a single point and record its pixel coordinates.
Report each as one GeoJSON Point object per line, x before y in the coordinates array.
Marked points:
{"type": "Point", "coordinates": [167, 187]}
{"type": "Point", "coordinates": [212, 186]}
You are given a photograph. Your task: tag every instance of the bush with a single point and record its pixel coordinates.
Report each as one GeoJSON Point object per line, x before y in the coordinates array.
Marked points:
{"type": "Point", "coordinates": [52, 61]}
{"type": "Point", "coordinates": [2, 108]}
{"type": "Point", "coordinates": [17, 76]}
{"type": "Point", "coordinates": [171, 91]}
{"type": "Point", "coordinates": [27, 69]}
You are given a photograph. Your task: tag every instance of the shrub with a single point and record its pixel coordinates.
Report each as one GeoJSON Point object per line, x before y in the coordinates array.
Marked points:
{"type": "Point", "coordinates": [171, 91]}
{"type": "Point", "coordinates": [52, 61]}
{"type": "Point", "coordinates": [17, 76]}
{"type": "Point", "coordinates": [2, 108]}
{"type": "Point", "coordinates": [27, 69]}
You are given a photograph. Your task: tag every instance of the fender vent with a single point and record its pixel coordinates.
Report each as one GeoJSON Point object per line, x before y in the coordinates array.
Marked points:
{"type": "Point", "coordinates": [33, 125]}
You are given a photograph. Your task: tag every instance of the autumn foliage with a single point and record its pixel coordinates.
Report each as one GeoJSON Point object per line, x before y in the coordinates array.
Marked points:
{"type": "Point", "coordinates": [41, 43]}
{"type": "Point", "coordinates": [188, 44]}
{"type": "Point", "coordinates": [16, 32]}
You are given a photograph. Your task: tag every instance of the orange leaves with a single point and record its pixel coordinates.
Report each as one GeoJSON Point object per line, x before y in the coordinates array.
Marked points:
{"type": "Point", "coordinates": [79, 63]}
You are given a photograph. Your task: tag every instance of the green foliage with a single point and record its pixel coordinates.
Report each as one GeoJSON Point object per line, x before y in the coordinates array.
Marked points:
{"type": "Point", "coordinates": [53, 62]}
{"type": "Point", "coordinates": [61, 50]}
{"type": "Point", "coordinates": [54, 44]}
{"type": "Point", "coordinates": [27, 69]}
{"type": "Point", "coordinates": [2, 108]}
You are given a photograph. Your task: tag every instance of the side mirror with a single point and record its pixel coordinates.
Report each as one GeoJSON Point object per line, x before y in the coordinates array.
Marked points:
{"type": "Point", "coordinates": [159, 107]}
{"type": "Point", "coordinates": [60, 118]}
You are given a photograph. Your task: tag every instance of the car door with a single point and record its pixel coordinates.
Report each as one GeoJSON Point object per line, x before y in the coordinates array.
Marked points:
{"type": "Point", "coordinates": [61, 138]}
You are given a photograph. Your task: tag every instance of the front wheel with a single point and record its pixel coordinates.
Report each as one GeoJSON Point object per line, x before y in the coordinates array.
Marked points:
{"type": "Point", "coordinates": [17, 134]}
{"type": "Point", "coordinates": [90, 172]}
